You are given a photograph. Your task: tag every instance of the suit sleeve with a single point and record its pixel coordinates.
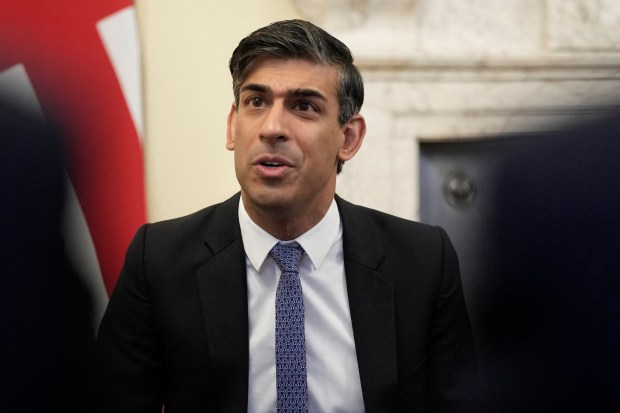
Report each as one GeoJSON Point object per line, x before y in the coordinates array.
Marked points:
{"type": "Point", "coordinates": [129, 348]}
{"type": "Point", "coordinates": [453, 380]}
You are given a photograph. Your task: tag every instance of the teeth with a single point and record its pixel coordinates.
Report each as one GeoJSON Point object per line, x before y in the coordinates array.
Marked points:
{"type": "Point", "coordinates": [272, 164]}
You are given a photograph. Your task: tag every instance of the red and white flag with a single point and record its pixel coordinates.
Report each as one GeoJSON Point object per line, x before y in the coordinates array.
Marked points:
{"type": "Point", "coordinates": [78, 62]}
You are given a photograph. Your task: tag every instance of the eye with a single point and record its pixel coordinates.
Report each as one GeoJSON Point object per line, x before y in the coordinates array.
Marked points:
{"type": "Point", "coordinates": [305, 106]}
{"type": "Point", "coordinates": [256, 101]}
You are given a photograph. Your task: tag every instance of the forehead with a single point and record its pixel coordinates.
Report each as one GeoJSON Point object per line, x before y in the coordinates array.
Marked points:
{"type": "Point", "coordinates": [291, 74]}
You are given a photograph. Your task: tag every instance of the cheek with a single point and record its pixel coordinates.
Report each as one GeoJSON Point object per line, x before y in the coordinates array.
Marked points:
{"type": "Point", "coordinates": [241, 140]}
{"type": "Point", "coordinates": [331, 145]}
{"type": "Point", "coordinates": [240, 153]}
{"type": "Point", "coordinates": [322, 155]}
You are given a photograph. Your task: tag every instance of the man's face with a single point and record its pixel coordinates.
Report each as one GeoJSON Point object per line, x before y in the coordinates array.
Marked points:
{"type": "Point", "coordinates": [286, 136]}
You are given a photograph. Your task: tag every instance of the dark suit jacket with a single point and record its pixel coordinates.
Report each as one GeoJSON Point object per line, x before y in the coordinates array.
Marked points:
{"type": "Point", "coordinates": [176, 328]}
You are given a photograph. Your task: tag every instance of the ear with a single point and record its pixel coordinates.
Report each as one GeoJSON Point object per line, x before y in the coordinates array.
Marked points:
{"type": "Point", "coordinates": [230, 128]}
{"type": "Point", "coordinates": [354, 132]}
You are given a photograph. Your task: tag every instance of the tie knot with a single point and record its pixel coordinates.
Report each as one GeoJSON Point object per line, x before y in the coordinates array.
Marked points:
{"type": "Point", "coordinates": [287, 256]}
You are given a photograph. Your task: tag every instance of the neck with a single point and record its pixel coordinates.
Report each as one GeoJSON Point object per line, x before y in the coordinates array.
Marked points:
{"type": "Point", "coordinates": [284, 223]}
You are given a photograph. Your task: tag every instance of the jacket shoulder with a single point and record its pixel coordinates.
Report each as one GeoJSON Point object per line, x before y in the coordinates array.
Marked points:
{"type": "Point", "coordinates": [362, 218]}
{"type": "Point", "coordinates": [212, 227]}
{"type": "Point", "coordinates": [217, 217]}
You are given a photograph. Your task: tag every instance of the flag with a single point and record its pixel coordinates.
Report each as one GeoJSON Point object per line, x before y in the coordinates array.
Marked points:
{"type": "Point", "coordinates": [78, 63]}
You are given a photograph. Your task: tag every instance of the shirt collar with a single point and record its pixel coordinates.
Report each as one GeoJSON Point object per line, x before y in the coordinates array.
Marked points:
{"type": "Point", "coordinates": [316, 242]}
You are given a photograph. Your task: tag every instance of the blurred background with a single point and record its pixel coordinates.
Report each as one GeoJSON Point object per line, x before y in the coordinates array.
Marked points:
{"type": "Point", "coordinates": [435, 71]}
{"type": "Point", "coordinates": [473, 107]}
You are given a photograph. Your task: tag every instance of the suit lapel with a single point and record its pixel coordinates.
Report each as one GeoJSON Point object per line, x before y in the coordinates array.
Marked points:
{"type": "Point", "coordinates": [223, 293]}
{"type": "Point", "coordinates": [372, 305]}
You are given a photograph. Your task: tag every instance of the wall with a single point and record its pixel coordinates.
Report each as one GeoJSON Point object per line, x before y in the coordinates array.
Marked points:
{"type": "Point", "coordinates": [187, 95]}
{"type": "Point", "coordinates": [451, 70]}
{"type": "Point", "coordinates": [433, 69]}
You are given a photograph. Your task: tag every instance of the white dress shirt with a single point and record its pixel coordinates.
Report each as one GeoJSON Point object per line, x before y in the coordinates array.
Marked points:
{"type": "Point", "coordinates": [333, 376]}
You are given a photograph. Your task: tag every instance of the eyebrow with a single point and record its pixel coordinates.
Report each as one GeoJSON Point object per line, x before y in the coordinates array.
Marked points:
{"type": "Point", "coordinates": [308, 93]}
{"type": "Point", "coordinates": [255, 87]}
{"type": "Point", "coordinates": [299, 92]}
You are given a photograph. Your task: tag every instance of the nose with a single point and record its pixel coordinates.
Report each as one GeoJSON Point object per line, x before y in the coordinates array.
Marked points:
{"type": "Point", "coordinates": [274, 126]}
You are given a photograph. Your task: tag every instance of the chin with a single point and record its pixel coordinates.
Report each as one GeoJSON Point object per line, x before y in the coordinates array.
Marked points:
{"type": "Point", "coordinates": [274, 200]}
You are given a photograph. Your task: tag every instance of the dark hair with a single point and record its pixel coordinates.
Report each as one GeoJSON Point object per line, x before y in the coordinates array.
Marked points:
{"type": "Point", "coordinates": [299, 39]}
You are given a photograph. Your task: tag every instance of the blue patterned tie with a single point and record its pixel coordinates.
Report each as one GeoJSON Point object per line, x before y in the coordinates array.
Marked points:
{"type": "Point", "coordinates": [291, 376]}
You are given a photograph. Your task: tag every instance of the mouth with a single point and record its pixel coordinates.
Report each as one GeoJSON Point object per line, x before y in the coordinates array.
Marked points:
{"type": "Point", "coordinates": [272, 167]}
{"type": "Point", "coordinates": [272, 164]}
{"type": "Point", "coordinates": [272, 161]}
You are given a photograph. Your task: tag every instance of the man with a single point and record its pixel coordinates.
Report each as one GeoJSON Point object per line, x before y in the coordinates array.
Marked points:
{"type": "Point", "coordinates": [197, 320]}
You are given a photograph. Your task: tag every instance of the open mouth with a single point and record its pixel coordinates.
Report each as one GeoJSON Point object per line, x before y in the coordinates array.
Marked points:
{"type": "Point", "coordinates": [272, 164]}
